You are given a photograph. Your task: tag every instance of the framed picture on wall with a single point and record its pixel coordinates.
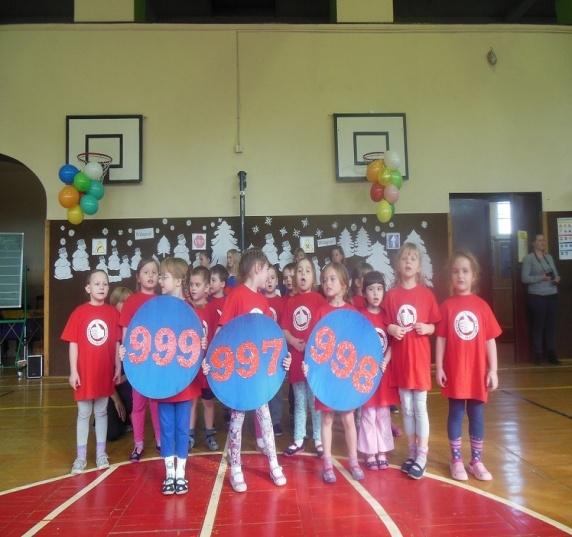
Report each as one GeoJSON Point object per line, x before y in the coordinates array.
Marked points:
{"type": "Point", "coordinates": [120, 137]}
{"type": "Point", "coordinates": [358, 134]}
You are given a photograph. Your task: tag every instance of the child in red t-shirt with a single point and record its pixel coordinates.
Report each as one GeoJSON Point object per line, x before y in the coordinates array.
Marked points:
{"type": "Point", "coordinates": [217, 290]}
{"type": "Point", "coordinates": [466, 362]}
{"type": "Point", "coordinates": [93, 333]}
{"type": "Point", "coordinates": [410, 314]}
{"type": "Point", "coordinates": [336, 285]}
{"type": "Point", "coordinates": [358, 272]}
{"type": "Point", "coordinates": [197, 292]}
{"type": "Point", "coordinates": [297, 318]}
{"type": "Point", "coordinates": [288, 275]}
{"type": "Point", "coordinates": [375, 438]}
{"type": "Point", "coordinates": [253, 271]}
{"type": "Point", "coordinates": [147, 281]}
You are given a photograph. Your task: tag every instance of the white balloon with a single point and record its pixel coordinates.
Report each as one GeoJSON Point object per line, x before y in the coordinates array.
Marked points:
{"type": "Point", "coordinates": [391, 159]}
{"type": "Point", "coordinates": [93, 170]}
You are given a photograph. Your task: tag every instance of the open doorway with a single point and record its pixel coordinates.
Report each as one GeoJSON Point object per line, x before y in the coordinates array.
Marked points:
{"type": "Point", "coordinates": [23, 211]}
{"type": "Point", "coordinates": [497, 228]}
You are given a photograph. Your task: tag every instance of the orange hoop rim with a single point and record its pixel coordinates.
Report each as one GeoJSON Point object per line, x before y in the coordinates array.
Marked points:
{"type": "Point", "coordinates": [91, 156]}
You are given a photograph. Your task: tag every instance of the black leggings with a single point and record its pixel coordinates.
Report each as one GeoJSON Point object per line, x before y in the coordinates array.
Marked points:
{"type": "Point", "coordinates": [543, 309]}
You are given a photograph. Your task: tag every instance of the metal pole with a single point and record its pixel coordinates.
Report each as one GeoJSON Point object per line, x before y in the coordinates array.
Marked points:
{"type": "Point", "coordinates": [242, 188]}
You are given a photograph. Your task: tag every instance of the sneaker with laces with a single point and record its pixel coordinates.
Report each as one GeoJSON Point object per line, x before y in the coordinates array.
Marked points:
{"type": "Point", "coordinates": [102, 462]}
{"type": "Point", "coordinates": [78, 466]}
{"type": "Point", "coordinates": [479, 470]}
{"type": "Point", "coordinates": [458, 471]}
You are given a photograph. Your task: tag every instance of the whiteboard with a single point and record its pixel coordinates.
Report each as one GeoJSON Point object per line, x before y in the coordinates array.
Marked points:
{"type": "Point", "coordinates": [11, 269]}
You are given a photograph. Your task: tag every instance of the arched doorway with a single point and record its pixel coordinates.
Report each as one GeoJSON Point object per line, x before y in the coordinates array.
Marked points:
{"type": "Point", "coordinates": [24, 211]}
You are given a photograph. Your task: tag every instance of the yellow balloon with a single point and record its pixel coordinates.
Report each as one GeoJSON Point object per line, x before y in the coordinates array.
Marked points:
{"type": "Point", "coordinates": [384, 211]}
{"type": "Point", "coordinates": [374, 170]}
{"type": "Point", "coordinates": [385, 177]}
{"type": "Point", "coordinates": [75, 215]}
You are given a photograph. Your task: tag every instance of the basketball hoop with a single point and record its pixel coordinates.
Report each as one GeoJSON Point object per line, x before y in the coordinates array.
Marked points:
{"type": "Point", "coordinates": [374, 155]}
{"type": "Point", "coordinates": [101, 158]}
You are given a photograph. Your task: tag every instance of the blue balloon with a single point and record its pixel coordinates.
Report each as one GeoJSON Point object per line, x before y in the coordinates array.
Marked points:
{"type": "Point", "coordinates": [67, 173]}
{"type": "Point", "coordinates": [163, 347]}
{"type": "Point", "coordinates": [246, 359]}
{"type": "Point", "coordinates": [344, 353]}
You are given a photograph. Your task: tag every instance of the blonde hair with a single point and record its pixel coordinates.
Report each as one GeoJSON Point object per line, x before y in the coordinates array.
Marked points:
{"type": "Point", "coordinates": [314, 277]}
{"type": "Point", "coordinates": [343, 275]}
{"type": "Point", "coordinates": [119, 294]}
{"type": "Point", "coordinates": [475, 267]}
{"type": "Point", "coordinates": [406, 248]}
{"type": "Point", "coordinates": [175, 266]}
{"type": "Point", "coordinates": [236, 258]}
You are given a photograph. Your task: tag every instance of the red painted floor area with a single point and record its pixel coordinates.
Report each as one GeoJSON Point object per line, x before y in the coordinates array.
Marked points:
{"type": "Point", "coordinates": [129, 502]}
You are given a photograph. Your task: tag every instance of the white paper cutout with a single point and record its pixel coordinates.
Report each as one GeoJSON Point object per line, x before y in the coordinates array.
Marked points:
{"type": "Point", "coordinates": [223, 240]}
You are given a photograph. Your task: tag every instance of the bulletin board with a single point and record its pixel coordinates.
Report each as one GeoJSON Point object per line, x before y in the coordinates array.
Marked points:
{"type": "Point", "coordinates": [117, 246]}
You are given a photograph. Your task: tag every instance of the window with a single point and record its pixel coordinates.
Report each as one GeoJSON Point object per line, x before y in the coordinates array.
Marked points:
{"type": "Point", "coordinates": [503, 218]}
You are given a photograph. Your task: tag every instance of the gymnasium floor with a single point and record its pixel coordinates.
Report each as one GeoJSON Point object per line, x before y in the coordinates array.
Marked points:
{"type": "Point", "coordinates": [528, 450]}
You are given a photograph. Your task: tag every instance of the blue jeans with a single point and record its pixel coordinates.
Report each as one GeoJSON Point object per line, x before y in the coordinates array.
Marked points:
{"type": "Point", "coordinates": [175, 419]}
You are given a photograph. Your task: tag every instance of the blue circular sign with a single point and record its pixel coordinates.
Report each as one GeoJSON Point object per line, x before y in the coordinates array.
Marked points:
{"type": "Point", "coordinates": [163, 347]}
{"type": "Point", "coordinates": [344, 355]}
{"type": "Point", "coordinates": [246, 359]}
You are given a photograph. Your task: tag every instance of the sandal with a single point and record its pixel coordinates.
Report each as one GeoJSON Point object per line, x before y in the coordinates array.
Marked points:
{"type": "Point", "coordinates": [168, 488]}
{"type": "Point", "coordinates": [237, 480]}
{"type": "Point", "coordinates": [371, 463]}
{"type": "Point", "coordinates": [416, 471]}
{"type": "Point", "coordinates": [181, 486]}
{"type": "Point", "coordinates": [319, 450]}
{"type": "Point", "coordinates": [328, 475]}
{"type": "Point", "coordinates": [278, 476]}
{"type": "Point", "coordinates": [357, 472]}
{"type": "Point", "coordinates": [458, 471]}
{"type": "Point", "coordinates": [382, 464]}
{"type": "Point", "coordinates": [135, 455]}
{"type": "Point", "coordinates": [212, 444]}
{"type": "Point", "coordinates": [406, 466]}
{"type": "Point", "coordinates": [293, 449]}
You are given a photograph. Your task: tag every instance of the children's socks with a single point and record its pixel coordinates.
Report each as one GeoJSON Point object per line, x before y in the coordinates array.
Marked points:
{"type": "Point", "coordinates": [421, 458]}
{"type": "Point", "coordinates": [82, 452]}
{"type": "Point", "coordinates": [170, 467]}
{"type": "Point", "coordinates": [100, 449]}
{"type": "Point", "coordinates": [476, 449]}
{"type": "Point", "coordinates": [180, 471]}
{"type": "Point", "coordinates": [455, 446]}
{"type": "Point", "coordinates": [412, 451]}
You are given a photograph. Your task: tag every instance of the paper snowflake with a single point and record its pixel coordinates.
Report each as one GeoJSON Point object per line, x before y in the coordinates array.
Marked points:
{"type": "Point", "coordinates": [268, 220]}
{"type": "Point", "coordinates": [220, 220]}
{"type": "Point", "coordinates": [353, 227]}
{"type": "Point", "coordinates": [334, 225]}
{"type": "Point", "coordinates": [188, 222]}
{"type": "Point", "coordinates": [296, 233]}
{"type": "Point", "coordinates": [156, 230]}
{"type": "Point", "coordinates": [62, 228]}
{"type": "Point", "coordinates": [71, 232]}
{"type": "Point", "coordinates": [129, 242]}
{"type": "Point", "coordinates": [319, 233]}
{"type": "Point", "coordinates": [164, 221]}
{"type": "Point", "coordinates": [305, 222]}
{"type": "Point", "coordinates": [204, 228]}
{"type": "Point", "coordinates": [120, 232]}
{"type": "Point", "coordinates": [213, 224]}
{"type": "Point", "coordinates": [364, 219]}
{"type": "Point", "coordinates": [383, 234]}
{"type": "Point", "coordinates": [113, 242]}
{"type": "Point", "coordinates": [105, 231]}
{"type": "Point", "coordinates": [391, 224]}
{"type": "Point", "coordinates": [172, 228]}
{"type": "Point", "coordinates": [424, 224]}
{"type": "Point", "coordinates": [283, 231]}
{"type": "Point", "coordinates": [255, 229]}
{"type": "Point", "coordinates": [62, 241]}
{"type": "Point", "coordinates": [377, 229]}
{"type": "Point", "coordinates": [129, 230]}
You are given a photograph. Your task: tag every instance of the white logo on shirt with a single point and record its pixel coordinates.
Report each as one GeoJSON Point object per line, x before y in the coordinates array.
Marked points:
{"type": "Point", "coordinates": [301, 318]}
{"type": "Point", "coordinates": [407, 316]}
{"type": "Point", "coordinates": [97, 332]}
{"type": "Point", "coordinates": [466, 325]}
{"type": "Point", "coordinates": [383, 336]}
{"type": "Point", "coordinates": [257, 310]}
{"type": "Point", "coordinates": [274, 314]}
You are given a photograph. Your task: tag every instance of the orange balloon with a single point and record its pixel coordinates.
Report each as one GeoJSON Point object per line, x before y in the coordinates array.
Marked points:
{"type": "Point", "coordinates": [374, 170]}
{"type": "Point", "coordinates": [68, 196]}
{"type": "Point", "coordinates": [75, 215]}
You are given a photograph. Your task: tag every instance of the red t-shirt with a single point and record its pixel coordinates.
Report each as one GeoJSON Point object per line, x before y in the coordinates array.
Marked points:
{"type": "Point", "coordinates": [276, 305]}
{"type": "Point", "coordinates": [467, 323]}
{"type": "Point", "coordinates": [217, 305]}
{"type": "Point", "coordinates": [96, 331]}
{"type": "Point", "coordinates": [241, 301]}
{"type": "Point", "coordinates": [322, 312]}
{"type": "Point", "coordinates": [358, 302]}
{"type": "Point", "coordinates": [209, 319]}
{"type": "Point", "coordinates": [130, 307]}
{"type": "Point", "coordinates": [385, 395]}
{"type": "Point", "coordinates": [297, 316]}
{"type": "Point", "coordinates": [411, 357]}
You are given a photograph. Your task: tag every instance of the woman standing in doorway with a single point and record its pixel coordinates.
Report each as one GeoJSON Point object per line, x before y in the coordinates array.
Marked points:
{"type": "Point", "coordinates": [539, 273]}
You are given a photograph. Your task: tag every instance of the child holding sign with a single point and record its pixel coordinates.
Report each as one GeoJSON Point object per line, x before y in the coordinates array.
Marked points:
{"type": "Point", "coordinates": [336, 286]}
{"type": "Point", "coordinates": [197, 292]}
{"type": "Point", "coordinates": [253, 272]}
{"type": "Point", "coordinates": [299, 313]}
{"type": "Point", "coordinates": [466, 360]}
{"type": "Point", "coordinates": [93, 333]}
{"type": "Point", "coordinates": [375, 438]}
{"type": "Point", "coordinates": [147, 280]}
{"type": "Point", "coordinates": [411, 312]}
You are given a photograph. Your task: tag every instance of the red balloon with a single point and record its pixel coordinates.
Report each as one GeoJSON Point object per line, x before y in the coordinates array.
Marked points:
{"type": "Point", "coordinates": [376, 192]}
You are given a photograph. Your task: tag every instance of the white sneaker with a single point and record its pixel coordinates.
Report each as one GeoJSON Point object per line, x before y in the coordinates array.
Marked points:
{"type": "Point", "coordinates": [78, 466]}
{"type": "Point", "coordinates": [102, 462]}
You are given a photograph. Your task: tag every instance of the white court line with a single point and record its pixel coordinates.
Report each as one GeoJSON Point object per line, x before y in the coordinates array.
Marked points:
{"type": "Point", "coordinates": [394, 531]}
{"type": "Point", "coordinates": [70, 501]}
{"type": "Point", "coordinates": [210, 515]}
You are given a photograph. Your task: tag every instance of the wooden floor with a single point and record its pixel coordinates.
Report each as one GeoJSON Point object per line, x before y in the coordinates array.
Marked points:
{"type": "Point", "coordinates": [528, 449]}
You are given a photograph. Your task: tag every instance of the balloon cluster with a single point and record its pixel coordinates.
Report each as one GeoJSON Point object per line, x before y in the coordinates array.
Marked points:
{"type": "Point", "coordinates": [82, 190]}
{"type": "Point", "coordinates": [386, 182]}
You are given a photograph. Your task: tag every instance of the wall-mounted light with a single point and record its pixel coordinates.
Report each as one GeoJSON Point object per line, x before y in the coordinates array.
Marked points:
{"type": "Point", "coordinates": [492, 57]}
